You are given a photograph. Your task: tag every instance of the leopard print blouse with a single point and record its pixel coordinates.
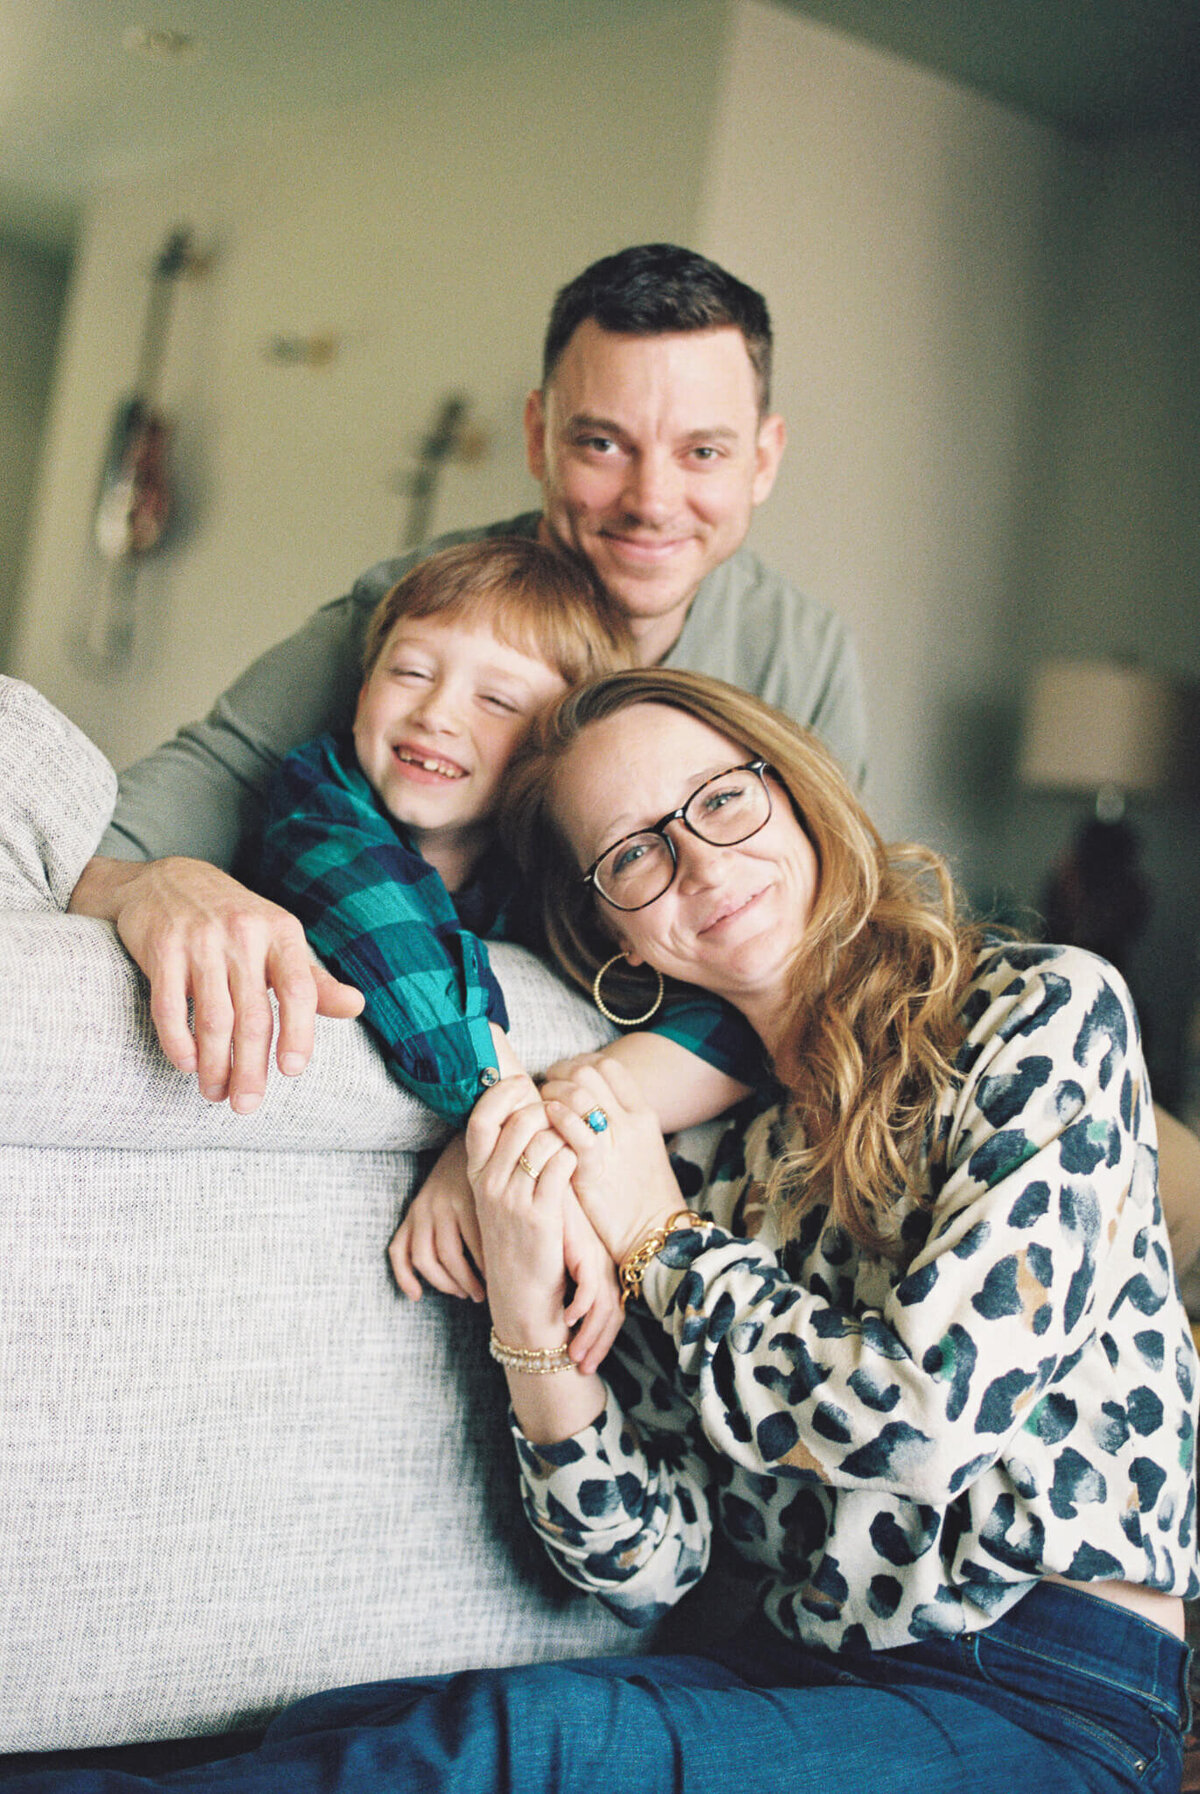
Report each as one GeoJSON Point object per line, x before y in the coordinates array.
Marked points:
{"type": "Point", "coordinates": [900, 1448]}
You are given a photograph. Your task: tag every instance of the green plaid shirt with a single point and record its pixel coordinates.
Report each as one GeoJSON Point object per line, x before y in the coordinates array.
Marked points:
{"type": "Point", "coordinates": [381, 918]}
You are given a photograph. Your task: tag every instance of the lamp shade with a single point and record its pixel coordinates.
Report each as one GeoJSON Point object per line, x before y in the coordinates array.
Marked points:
{"type": "Point", "coordinates": [1093, 724]}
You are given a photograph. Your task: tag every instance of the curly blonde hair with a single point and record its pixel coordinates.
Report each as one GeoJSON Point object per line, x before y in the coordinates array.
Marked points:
{"type": "Point", "coordinates": [877, 980]}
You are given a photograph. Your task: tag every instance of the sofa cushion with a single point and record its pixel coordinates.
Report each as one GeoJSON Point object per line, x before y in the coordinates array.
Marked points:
{"type": "Point", "coordinates": [238, 1467]}
{"type": "Point", "coordinates": [57, 793]}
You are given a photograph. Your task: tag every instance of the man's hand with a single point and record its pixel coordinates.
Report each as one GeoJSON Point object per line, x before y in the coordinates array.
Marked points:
{"type": "Point", "coordinates": [196, 933]}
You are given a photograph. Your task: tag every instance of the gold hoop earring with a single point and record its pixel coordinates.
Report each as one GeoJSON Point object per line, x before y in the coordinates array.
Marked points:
{"type": "Point", "coordinates": [625, 1021]}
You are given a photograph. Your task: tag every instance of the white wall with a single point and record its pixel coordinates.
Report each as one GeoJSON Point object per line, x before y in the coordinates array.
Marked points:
{"type": "Point", "coordinates": [897, 223]}
{"type": "Point", "coordinates": [989, 359]}
{"type": "Point", "coordinates": [428, 232]}
{"type": "Point", "coordinates": [1119, 523]}
{"type": "Point", "coordinates": [1123, 532]}
{"type": "Point", "coordinates": [32, 288]}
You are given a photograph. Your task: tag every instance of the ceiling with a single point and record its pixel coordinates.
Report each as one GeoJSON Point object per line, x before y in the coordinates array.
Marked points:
{"type": "Point", "coordinates": [78, 106]}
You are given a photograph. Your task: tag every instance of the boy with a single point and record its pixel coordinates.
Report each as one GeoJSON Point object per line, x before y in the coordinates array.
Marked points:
{"type": "Point", "coordinates": [383, 843]}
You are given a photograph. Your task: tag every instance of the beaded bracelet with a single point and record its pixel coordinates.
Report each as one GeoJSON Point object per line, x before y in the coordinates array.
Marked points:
{"type": "Point", "coordinates": [537, 1361]}
{"type": "Point", "coordinates": [644, 1254]}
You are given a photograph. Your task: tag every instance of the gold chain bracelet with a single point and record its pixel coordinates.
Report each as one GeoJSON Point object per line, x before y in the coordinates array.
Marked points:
{"type": "Point", "coordinates": [537, 1361]}
{"type": "Point", "coordinates": [644, 1254]}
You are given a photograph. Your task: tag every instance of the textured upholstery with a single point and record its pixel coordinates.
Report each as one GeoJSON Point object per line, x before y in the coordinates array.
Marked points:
{"type": "Point", "coordinates": [56, 797]}
{"type": "Point", "coordinates": [235, 1466]}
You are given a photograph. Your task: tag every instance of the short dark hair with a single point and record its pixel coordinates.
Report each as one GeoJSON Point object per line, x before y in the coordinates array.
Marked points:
{"type": "Point", "coordinates": [656, 288]}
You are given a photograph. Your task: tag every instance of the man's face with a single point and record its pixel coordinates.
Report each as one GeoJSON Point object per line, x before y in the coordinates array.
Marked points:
{"type": "Point", "coordinates": [652, 456]}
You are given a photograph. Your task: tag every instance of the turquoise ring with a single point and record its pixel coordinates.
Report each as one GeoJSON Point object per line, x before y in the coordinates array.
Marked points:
{"type": "Point", "coordinates": [596, 1119]}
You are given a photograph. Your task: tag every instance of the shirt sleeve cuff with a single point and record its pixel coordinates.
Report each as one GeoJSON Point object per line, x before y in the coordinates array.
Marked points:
{"type": "Point", "coordinates": [672, 1278]}
{"type": "Point", "coordinates": [551, 1471]}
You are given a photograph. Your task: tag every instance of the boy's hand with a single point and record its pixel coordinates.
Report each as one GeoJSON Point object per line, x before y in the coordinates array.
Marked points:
{"type": "Point", "coordinates": [439, 1236]}
{"type": "Point", "coordinates": [594, 1312]}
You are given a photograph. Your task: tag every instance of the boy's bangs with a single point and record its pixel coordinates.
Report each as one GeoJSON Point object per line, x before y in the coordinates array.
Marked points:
{"type": "Point", "coordinates": [526, 621]}
{"type": "Point", "coordinates": [529, 596]}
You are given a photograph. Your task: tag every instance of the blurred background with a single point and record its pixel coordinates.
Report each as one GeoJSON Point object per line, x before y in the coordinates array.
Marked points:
{"type": "Point", "coordinates": [978, 228]}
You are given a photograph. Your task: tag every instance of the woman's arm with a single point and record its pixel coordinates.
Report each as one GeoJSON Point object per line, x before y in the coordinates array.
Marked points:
{"type": "Point", "coordinates": [622, 1511]}
{"type": "Point", "coordinates": [682, 1088]}
{"type": "Point", "coordinates": [623, 1506]}
{"type": "Point", "coordinates": [694, 1060]}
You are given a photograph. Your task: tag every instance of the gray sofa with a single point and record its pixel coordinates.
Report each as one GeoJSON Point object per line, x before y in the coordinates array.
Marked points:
{"type": "Point", "coordinates": [237, 1465]}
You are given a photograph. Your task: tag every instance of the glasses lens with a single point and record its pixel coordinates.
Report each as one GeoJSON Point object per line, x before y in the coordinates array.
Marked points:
{"type": "Point", "coordinates": [636, 871]}
{"type": "Point", "coordinates": [729, 808]}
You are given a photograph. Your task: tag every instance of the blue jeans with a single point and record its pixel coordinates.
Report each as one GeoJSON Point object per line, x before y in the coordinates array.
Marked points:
{"type": "Point", "coordinates": [1066, 1694]}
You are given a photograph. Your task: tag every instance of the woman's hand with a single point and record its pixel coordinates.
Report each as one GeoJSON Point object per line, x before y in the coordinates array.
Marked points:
{"type": "Point", "coordinates": [521, 1211]}
{"type": "Point", "coordinates": [519, 1203]}
{"type": "Point", "coordinates": [623, 1177]}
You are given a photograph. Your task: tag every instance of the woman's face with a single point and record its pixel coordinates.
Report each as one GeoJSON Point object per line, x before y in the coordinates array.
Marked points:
{"type": "Point", "coordinates": [734, 916]}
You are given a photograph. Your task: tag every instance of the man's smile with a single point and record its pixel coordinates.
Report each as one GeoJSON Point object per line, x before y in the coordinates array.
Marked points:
{"type": "Point", "coordinates": [645, 548]}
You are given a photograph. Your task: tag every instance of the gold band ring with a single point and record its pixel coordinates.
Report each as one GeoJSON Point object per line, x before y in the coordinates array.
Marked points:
{"type": "Point", "coordinates": [524, 1164]}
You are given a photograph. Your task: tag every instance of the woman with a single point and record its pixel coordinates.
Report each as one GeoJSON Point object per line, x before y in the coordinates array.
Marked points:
{"type": "Point", "coordinates": [922, 1362]}
{"type": "Point", "coordinates": [918, 1357]}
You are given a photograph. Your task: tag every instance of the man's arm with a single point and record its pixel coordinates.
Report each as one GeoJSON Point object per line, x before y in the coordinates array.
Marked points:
{"type": "Point", "coordinates": [201, 794]}
{"type": "Point", "coordinates": [197, 799]}
{"type": "Point", "coordinates": [161, 876]}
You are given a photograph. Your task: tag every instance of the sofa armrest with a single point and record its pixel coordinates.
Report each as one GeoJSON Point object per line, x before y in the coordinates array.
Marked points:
{"type": "Point", "coordinates": [80, 1065]}
{"type": "Point", "coordinates": [238, 1466]}
{"type": "Point", "coordinates": [57, 793]}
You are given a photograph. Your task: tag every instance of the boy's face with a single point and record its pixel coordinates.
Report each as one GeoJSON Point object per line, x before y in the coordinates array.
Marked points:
{"type": "Point", "coordinates": [438, 720]}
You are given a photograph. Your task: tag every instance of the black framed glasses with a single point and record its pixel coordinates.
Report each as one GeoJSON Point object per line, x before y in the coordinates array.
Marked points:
{"type": "Point", "coordinates": [726, 809]}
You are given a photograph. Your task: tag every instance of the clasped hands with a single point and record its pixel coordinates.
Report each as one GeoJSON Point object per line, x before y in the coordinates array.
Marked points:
{"type": "Point", "coordinates": [542, 1206]}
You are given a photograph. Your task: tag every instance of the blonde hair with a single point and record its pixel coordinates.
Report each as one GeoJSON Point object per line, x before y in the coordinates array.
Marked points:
{"type": "Point", "coordinates": [873, 1022]}
{"type": "Point", "coordinates": [532, 596]}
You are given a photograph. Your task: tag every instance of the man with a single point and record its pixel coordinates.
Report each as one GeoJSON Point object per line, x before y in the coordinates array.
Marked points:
{"type": "Point", "coordinates": [653, 441]}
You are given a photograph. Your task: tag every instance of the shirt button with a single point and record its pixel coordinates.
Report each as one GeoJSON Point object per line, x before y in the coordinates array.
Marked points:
{"type": "Point", "coordinates": [488, 1076]}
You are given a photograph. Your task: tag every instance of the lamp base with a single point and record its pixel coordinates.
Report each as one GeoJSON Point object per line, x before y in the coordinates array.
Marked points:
{"type": "Point", "coordinates": [1098, 897]}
